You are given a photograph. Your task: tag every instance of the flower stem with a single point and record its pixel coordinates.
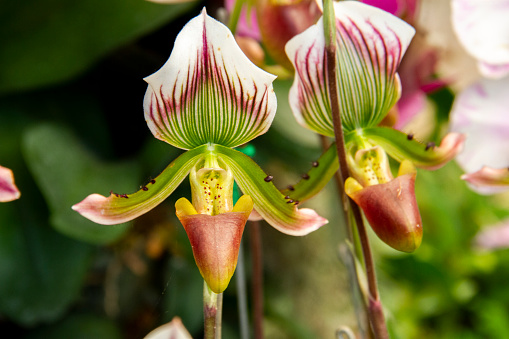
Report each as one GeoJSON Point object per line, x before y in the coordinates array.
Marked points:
{"type": "Point", "coordinates": [256, 252]}
{"type": "Point", "coordinates": [212, 311]}
{"type": "Point", "coordinates": [375, 311]}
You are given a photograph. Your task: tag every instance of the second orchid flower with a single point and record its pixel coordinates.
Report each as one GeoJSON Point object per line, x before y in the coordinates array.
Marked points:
{"type": "Point", "coordinates": [370, 44]}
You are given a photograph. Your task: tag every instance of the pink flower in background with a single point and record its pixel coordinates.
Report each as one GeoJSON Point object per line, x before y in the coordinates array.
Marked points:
{"type": "Point", "coordinates": [481, 111]}
{"type": "Point", "coordinates": [494, 237]}
{"type": "Point", "coordinates": [417, 74]}
{"type": "Point", "coordinates": [8, 190]}
{"type": "Point", "coordinates": [405, 9]}
{"type": "Point", "coordinates": [482, 28]}
{"type": "Point", "coordinates": [418, 67]}
{"type": "Point", "coordinates": [248, 24]}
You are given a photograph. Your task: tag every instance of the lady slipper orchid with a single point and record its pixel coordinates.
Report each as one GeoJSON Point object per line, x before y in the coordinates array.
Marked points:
{"type": "Point", "coordinates": [206, 99]}
{"type": "Point", "coordinates": [370, 44]}
{"type": "Point", "coordinates": [8, 190]}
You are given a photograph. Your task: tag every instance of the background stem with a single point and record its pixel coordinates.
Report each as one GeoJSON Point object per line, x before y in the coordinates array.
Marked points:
{"type": "Point", "coordinates": [240, 278]}
{"type": "Point", "coordinates": [256, 253]}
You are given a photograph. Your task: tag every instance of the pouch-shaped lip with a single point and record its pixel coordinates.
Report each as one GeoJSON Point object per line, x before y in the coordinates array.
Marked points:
{"type": "Point", "coordinates": [391, 210]}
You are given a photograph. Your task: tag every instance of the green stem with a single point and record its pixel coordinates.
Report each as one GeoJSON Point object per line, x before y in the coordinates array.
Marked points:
{"type": "Point", "coordinates": [375, 311]}
{"type": "Point", "coordinates": [212, 311]}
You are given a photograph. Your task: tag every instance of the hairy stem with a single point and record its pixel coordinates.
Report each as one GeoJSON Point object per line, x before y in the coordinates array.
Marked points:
{"type": "Point", "coordinates": [212, 311]}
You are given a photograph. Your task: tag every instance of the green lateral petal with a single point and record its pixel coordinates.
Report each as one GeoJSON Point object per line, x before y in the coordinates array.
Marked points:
{"type": "Point", "coordinates": [119, 208]}
{"type": "Point", "coordinates": [208, 91]}
{"type": "Point", "coordinates": [269, 202]}
{"type": "Point", "coordinates": [317, 177]}
{"type": "Point", "coordinates": [370, 44]}
{"type": "Point", "coordinates": [401, 146]}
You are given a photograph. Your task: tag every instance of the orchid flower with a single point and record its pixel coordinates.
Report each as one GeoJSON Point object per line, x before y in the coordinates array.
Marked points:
{"type": "Point", "coordinates": [370, 44]}
{"type": "Point", "coordinates": [483, 29]}
{"type": "Point", "coordinates": [481, 112]}
{"type": "Point", "coordinates": [207, 99]}
{"type": "Point", "coordinates": [8, 190]}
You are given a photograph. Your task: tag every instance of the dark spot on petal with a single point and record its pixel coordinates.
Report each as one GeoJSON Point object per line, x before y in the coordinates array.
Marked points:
{"type": "Point", "coordinates": [287, 197]}
{"type": "Point", "coordinates": [305, 176]}
{"type": "Point", "coordinates": [315, 164]}
{"type": "Point", "coordinates": [289, 201]}
{"type": "Point", "coordinates": [152, 181]}
{"type": "Point", "coordinates": [268, 178]}
{"type": "Point", "coordinates": [410, 136]}
{"type": "Point", "coordinates": [429, 145]}
{"type": "Point", "coordinates": [291, 188]}
{"type": "Point", "coordinates": [296, 202]}
{"type": "Point", "coordinates": [145, 188]}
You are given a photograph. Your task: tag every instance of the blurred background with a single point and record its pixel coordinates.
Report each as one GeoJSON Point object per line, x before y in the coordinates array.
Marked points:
{"type": "Point", "coordinates": [72, 124]}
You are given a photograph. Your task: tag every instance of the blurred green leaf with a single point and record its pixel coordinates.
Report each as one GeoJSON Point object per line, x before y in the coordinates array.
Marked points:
{"type": "Point", "coordinates": [66, 173]}
{"type": "Point", "coordinates": [183, 294]}
{"type": "Point", "coordinates": [41, 271]}
{"type": "Point", "coordinates": [82, 326]}
{"type": "Point", "coordinates": [47, 41]}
